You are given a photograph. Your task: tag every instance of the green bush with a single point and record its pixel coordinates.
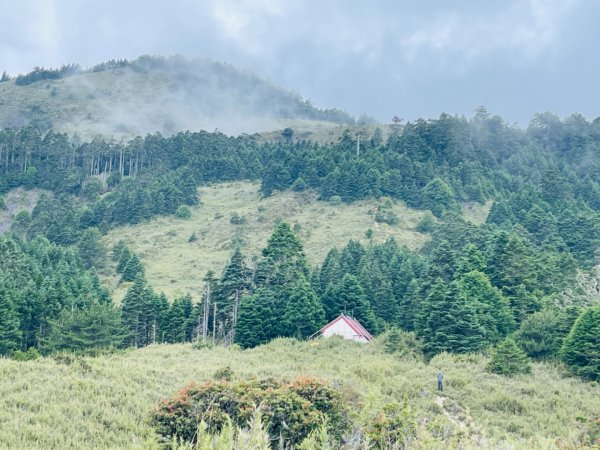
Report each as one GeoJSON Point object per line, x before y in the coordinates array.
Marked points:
{"type": "Point", "coordinates": [335, 200]}
{"type": "Point", "coordinates": [236, 219]}
{"type": "Point", "coordinates": [183, 212]}
{"type": "Point", "coordinates": [426, 225]}
{"type": "Point", "coordinates": [388, 217]}
{"type": "Point", "coordinates": [509, 359]}
{"type": "Point", "coordinates": [392, 428]}
{"type": "Point", "coordinates": [299, 185]}
{"type": "Point", "coordinates": [290, 411]}
{"type": "Point", "coordinates": [29, 355]}
{"type": "Point", "coordinates": [193, 237]}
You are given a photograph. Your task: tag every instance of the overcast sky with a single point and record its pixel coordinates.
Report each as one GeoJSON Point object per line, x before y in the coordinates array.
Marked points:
{"type": "Point", "coordinates": [381, 57]}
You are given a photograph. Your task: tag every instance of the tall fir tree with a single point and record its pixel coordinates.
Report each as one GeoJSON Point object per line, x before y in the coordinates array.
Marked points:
{"type": "Point", "coordinates": [581, 348]}
{"type": "Point", "coordinates": [10, 335]}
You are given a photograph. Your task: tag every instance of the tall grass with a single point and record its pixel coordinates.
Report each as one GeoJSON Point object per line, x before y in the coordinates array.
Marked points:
{"type": "Point", "coordinates": [105, 402]}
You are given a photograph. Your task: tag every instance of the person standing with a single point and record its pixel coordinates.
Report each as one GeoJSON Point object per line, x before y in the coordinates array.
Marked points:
{"type": "Point", "coordinates": [440, 380]}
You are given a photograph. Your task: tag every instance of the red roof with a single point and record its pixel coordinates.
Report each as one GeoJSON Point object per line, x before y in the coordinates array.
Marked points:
{"type": "Point", "coordinates": [352, 323]}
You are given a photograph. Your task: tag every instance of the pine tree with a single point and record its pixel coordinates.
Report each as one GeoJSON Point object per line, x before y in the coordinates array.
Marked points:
{"type": "Point", "coordinates": [137, 312]}
{"type": "Point", "coordinates": [256, 322]}
{"type": "Point", "coordinates": [508, 359]}
{"type": "Point", "coordinates": [234, 284]}
{"type": "Point", "coordinates": [447, 321]}
{"type": "Point", "coordinates": [303, 314]}
{"type": "Point", "coordinates": [348, 297]}
{"type": "Point", "coordinates": [10, 335]}
{"type": "Point", "coordinates": [581, 348]}
{"type": "Point", "coordinates": [133, 268]}
{"type": "Point", "coordinates": [124, 256]}
{"type": "Point", "coordinates": [97, 326]}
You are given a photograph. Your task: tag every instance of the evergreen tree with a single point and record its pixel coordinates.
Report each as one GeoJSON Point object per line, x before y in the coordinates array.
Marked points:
{"type": "Point", "coordinates": [508, 359]}
{"type": "Point", "coordinates": [303, 314]}
{"type": "Point", "coordinates": [447, 321]}
{"type": "Point", "coordinates": [541, 334]}
{"type": "Point", "coordinates": [97, 326]}
{"type": "Point", "coordinates": [348, 297]}
{"type": "Point", "coordinates": [256, 322]}
{"type": "Point", "coordinates": [91, 249]}
{"type": "Point", "coordinates": [438, 197]}
{"type": "Point", "coordinates": [124, 256]}
{"type": "Point", "coordinates": [137, 313]}
{"type": "Point", "coordinates": [581, 348]}
{"type": "Point", "coordinates": [10, 335]}
{"type": "Point", "coordinates": [234, 284]}
{"type": "Point", "coordinates": [133, 268]}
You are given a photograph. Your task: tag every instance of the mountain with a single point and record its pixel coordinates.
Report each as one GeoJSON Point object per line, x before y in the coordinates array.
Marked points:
{"type": "Point", "coordinates": [127, 98]}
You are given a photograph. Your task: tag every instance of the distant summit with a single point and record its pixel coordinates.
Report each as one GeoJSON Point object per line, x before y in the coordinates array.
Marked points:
{"type": "Point", "coordinates": [153, 94]}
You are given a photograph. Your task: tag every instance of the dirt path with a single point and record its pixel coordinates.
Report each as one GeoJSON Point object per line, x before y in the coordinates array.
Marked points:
{"type": "Point", "coordinates": [461, 420]}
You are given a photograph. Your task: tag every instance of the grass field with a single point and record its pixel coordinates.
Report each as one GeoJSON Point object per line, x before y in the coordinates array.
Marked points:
{"type": "Point", "coordinates": [176, 266]}
{"type": "Point", "coordinates": [105, 402]}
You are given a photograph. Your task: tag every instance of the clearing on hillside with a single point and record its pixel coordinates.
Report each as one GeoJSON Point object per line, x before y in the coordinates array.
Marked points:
{"type": "Point", "coordinates": [176, 266]}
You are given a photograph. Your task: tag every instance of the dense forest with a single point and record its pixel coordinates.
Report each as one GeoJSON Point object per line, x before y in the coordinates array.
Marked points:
{"type": "Point", "coordinates": [511, 284]}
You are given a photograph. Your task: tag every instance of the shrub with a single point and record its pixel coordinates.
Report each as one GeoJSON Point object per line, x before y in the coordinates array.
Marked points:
{"type": "Point", "coordinates": [388, 217]}
{"type": "Point", "coordinates": [236, 219]}
{"type": "Point", "coordinates": [299, 185]}
{"type": "Point", "coordinates": [290, 411]}
{"type": "Point", "coordinates": [29, 355]}
{"type": "Point", "coordinates": [426, 225]}
{"type": "Point", "coordinates": [509, 359]}
{"type": "Point", "coordinates": [224, 374]}
{"type": "Point", "coordinates": [392, 428]}
{"type": "Point", "coordinates": [183, 212]}
{"type": "Point", "coordinates": [403, 343]}
{"type": "Point", "coordinates": [193, 237]}
{"type": "Point", "coordinates": [369, 233]}
{"type": "Point", "coordinates": [335, 200]}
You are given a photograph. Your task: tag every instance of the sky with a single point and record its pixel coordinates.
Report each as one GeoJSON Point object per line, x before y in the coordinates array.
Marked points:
{"type": "Point", "coordinates": [379, 57]}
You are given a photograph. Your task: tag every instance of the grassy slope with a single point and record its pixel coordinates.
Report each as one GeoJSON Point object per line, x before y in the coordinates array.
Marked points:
{"type": "Point", "coordinates": [176, 266]}
{"type": "Point", "coordinates": [105, 402]}
{"type": "Point", "coordinates": [123, 104]}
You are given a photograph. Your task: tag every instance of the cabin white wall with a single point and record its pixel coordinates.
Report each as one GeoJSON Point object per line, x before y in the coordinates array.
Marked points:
{"type": "Point", "coordinates": [341, 328]}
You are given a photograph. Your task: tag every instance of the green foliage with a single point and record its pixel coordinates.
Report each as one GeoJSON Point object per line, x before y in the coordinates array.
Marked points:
{"type": "Point", "coordinates": [183, 212]}
{"type": "Point", "coordinates": [508, 359]}
{"type": "Point", "coordinates": [132, 268]}
{"type": "Point", "coordinates": [581, 347]}
{"type": "Point", "coordinates": [30, 355]}
{"type": "Point", "coordinates": [10, 334]}
{"type": "Point", "coordinates": [193, 237]}
{"type": "Point", "coordinates": [426, 224]}
{"type": "Point", "coordinates": [92, 249]}
{"type": "Point", "coordinates": [447, 321]}
{"type": "Point", "coordinates": [394, 427]}
{"type": "Point", "coordinates": [438, 197]}
{"type": "Point", "coordinates": [289, 411]}
{"type": "Point", "coordinates": [96, 327]}
{"type": "Point", "coordinates": [541, 335]}
{"type": "Point", "coordinates": [403, 344]}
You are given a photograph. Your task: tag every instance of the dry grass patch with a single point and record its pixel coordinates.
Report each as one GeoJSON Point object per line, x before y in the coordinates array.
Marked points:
{"type": "Point", "coordinates": [176, 266]}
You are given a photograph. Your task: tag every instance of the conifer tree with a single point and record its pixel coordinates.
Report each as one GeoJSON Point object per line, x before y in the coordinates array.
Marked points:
{"type": "Point", "coordinates": [256, 322]}
{"type": "Point", "coordinates": [133, 268]}
{"type": "Point", "coordinates": [303, 314]}
{"type": "Point", "coordinates": [508, 359]}
{"type": "Point", "coordinates": [447, 321]}
{"type": "Point", "coordinates": [581, 348]}
{"type": "Point", "coordinates": [348, 297]}
{"type": "Point", "coordinates": [124, 256]}
{"type": "Point", "coordinates": [137, 312]}
{"type": "Point", "coordinates": [10, 335]}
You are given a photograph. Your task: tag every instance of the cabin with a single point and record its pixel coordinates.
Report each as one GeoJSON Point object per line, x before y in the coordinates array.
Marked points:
{"type": "Point", "coordinates": [346, 327]}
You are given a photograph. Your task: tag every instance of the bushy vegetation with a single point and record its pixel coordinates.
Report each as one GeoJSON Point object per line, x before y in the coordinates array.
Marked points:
{"type": "Point", "coordinates": [290, 411]}
{"type": "Point", "coordinates": [44, 399]}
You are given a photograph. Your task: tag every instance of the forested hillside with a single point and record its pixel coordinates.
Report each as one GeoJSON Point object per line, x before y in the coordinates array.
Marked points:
{"type": "Point", "coordinates": [520, 287]}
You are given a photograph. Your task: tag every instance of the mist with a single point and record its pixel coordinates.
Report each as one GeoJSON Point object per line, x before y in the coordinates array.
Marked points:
{"type": "Point", "coordinates": [383, 58]}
